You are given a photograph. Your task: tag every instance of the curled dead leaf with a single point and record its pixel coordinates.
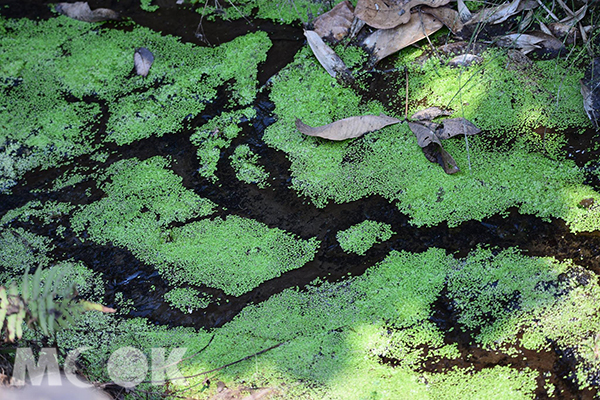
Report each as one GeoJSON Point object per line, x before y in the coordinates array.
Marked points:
{"type": "Point", "coordinates": [348, 128]}
{"type": "Point", "coordinates": [384, 42]}
{"type": "Point", "coordinates": [143, 59]}
{"type": "Point", "coordinates": [528, 42]}
{"type": "Point", "coordinates": [387, 14]}
{"type": "Point", "coordinates": [332, 63]}
{"type": "Point", "coordinates": [81, 11]}
{"type": "Point", "coordinates": [335, 23]}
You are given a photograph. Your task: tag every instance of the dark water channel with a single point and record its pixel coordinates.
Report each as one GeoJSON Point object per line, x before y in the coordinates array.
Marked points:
{"type": "Point", "coordinates": [279, 206]}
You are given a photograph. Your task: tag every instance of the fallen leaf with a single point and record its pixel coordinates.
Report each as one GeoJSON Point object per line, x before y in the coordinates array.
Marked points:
{"type": "Point", "coordinates": [496, 15]}
{"type": "Point", "coordinates": [430, 135]}
{"type": "Point", "coordinates": [525, 42]}
{"type": "Point", "coordinates": [528, 42]}
{"type": "Point", "coordinates": [430, 113]}
{"type": "Point", "coordinates": [81, 11]}
{"type": "Point", "coordinates": [357, 25]}
{"type": "Point", "coordinates": [348, 128]}
{"type": "Point", "coordinates": [432, 147]}
{"type": "Point", "coordinates": [463, 11]}
{"type": "Point", "coordinates": [464, 60]}
{"type": "Point", "coordinates": [447, 16]}
{"type": "Point", "coordinates": [143, 59]}
{"type": "Point", "coordinates": [574, 17]}
{"type": "Point", "coordinates": [457, 126]}
{"type": "Point", "coordinates": [335, 24]}
{"type": "Point", "coordinates": [384, 42]}
{"type": "Point", "coordinates": [590, 89]}
{"type": "Point", "coordinates": [332, 63]}
{"type": "Point", "coordinates": [387, 14]}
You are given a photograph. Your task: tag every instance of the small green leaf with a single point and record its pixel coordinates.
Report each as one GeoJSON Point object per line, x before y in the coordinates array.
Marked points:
{"type": "Point", "coordinates": [3, 298]}
{"type": "Point", "coordinates": [20, 319]}
{"type": "Point", "coordinates": [36, 284]}
{"type": "Point", "coordinates": [50, 308]}
{"type": "Point", "coordinates": [49, 282]}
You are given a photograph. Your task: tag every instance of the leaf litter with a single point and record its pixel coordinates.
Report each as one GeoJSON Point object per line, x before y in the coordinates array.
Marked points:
{"type": "Point", "coordinates": [81, 11]}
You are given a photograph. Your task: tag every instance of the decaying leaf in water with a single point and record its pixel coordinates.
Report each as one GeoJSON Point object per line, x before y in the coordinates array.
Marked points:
{"type": "Point", "coordinates": [590, 89]}
{"type": "Point", "coordinates": [332, 63]}
{"type": "Point", "coordinates": [447, 16]}
{"type": "Point", "coordinates": [430, 135]}
{"type": "Point", "coordinates": [465, 60]}
{"type": "Point", "coordinates": [335, 23]}
{"type": "Point", "coordinates": [457, 126]}
{"type": "Point", "coordinates": [81, 11]}
{"type": "Point", "coordinates": [143, 59]}
{"type": "Point", "coordinates": [387, 14]}
{"type": "Point", "coordinates": [430, 113]}
{"type": "Point", "coordinates": [348, 128]}
{"type": "Point", "coordinates": [384, 42]}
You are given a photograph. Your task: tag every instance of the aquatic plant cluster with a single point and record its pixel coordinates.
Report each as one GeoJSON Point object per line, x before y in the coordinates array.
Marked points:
{"type": "Point", "coordinates": [71, 103]}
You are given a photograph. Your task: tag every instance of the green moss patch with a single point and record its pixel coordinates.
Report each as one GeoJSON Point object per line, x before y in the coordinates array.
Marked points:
{"type": "Point", "coordinates": [389, 162]}
{"type": "Point", "coordinates": [187, 299]}
{"type": "Point", "coordinates": [361, 237]}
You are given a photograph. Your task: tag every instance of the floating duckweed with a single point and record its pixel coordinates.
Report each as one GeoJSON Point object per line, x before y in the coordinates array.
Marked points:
{"type": "Point", "coordinates": [215, 135]}
{"type": "Point", "coordinates": [187, 299]}
{"type": "Point", "coordinates": [146, 6]}
{"type": "Point", "coordinates": [285, 12]}
{"type": "Point", "coordinates": [245, 164]}
{"type": "Point", "coordinates": [235, 254]}
{"type": "Point", "coordinates": [361, 237]}
{"type": "Point", "coordinates": [44, 213]}
{"type": "Point", "coordinates": [143, 198]}
{"type": "Point", "coordinates": [390, 163]}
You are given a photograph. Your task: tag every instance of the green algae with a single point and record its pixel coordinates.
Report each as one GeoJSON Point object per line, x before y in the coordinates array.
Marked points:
{"type": "Point", "coordinates": [233, 254]}
{"type": "Point", "coordinates": [245, 164]}
{"type": "Point", "coordinates": [146, 6]}
{"type": "Point", "coordinates": [187, 300]}
{"type": "Point", "coordinates": [389, 162]}
{"type": "Point", "coordinates": [361, 237]}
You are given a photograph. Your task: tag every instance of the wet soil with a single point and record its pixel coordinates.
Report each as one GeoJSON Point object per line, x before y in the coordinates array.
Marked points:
{"type": "Point", "coordinates": [279, 206]}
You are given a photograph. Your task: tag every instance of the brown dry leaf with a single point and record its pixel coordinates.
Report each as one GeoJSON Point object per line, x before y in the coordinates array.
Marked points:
{"type": "Point", "coordinates": [335, 24]}
{"type": "Point", "coordinates": [457, 126]}
{"type": "Point", "coordinates": [430, 113]}
{"type": "Point", "coordinates": [387, 14]}
{"type": "Point", "coordinates": [332, 63]}
{"type": "Point", "coordinates": [432, 147]}
{"type": "Point", "coordinates": [447, 16]}
{"type": "Point", "coordinates": [574, 17]}
{"type": "Point", "coordinates": [143, 59]}
{"type": "Point", "coordinates": [531, 41]}
{"type": "Point", "coordinates": [81, 11]}
{"type": "Point", "coordinates": [496, 15]}
{"type": "Point", "coordinates": [348, 128]}
{"type": "Point", "coordinates": [384, 42]}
